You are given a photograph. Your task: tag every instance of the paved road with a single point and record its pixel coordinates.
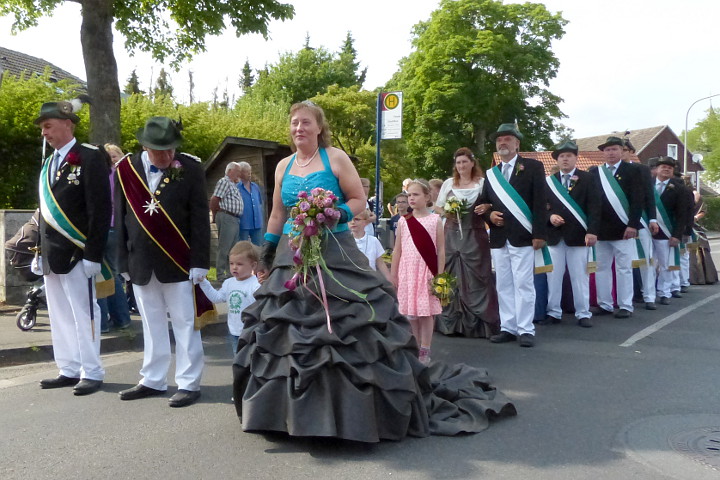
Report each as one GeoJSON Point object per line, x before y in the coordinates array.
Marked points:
{"type": "Point", "coordinates": [589, 408]}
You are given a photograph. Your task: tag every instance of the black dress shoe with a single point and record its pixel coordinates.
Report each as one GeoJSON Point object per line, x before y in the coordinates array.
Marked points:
{"type": "Point", "coordinates": [650, 306]}
{"type": "Point", "coordinates": [676, 294]}
{"type": "Point", "coordinates": [548, 320]}
{"type": "Point", "coordinates": [684, 289]}
{"type": "Point", "coordinates": [59, 382]}
{"type": "Point", "coordinates": [585, 322]}
{"type": "Point", "coordinates": [139, 391]}
{"type": "Point", "coordinates": [503, 337]}
{"type": "Point", "coordinates": [184, 398]}
{"type": "Point", "coordinates": [87, 386]}
{"type": "Point", "coordinates": [664, 301]}
{"type": "Point", "coordinates": [526, 340]}
{"type": "Point", "coordinates": [622, 313]}
{"type": "Point", "coordinates": [599, 311]}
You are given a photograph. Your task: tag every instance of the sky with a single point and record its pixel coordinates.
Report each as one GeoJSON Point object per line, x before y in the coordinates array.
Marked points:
{"type": "Point", "coordinates": [624, 64]}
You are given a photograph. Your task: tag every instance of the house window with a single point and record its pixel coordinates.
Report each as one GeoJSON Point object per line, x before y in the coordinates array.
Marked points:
{"type": "Point", "coordinates": [672, 150]}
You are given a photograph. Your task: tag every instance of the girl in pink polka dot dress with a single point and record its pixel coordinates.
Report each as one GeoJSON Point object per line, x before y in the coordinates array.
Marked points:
{"type": "Point", "coordinates": [410, 273]}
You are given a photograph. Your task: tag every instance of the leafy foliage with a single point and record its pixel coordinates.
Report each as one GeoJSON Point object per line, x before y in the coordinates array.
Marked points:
{"type": "Point", "coordinates": [20, 139]}
{"type": "Point", "coordinates": [705, 138]}
{"type": "Point", "coordinates": [477, 64]}
{"type": "Point", "coordinates": [307, 73]}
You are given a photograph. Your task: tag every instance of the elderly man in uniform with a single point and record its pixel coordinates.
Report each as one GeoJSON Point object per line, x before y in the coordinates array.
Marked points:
{"type": "Point", "coordinates": [622, 204]}
{"type": "Point", "coordinates": [573, 198]}
{"type": "Point", "coordinates": [75, 209]}
{"type": "Point", "coordinates": [671, 202]}
{"type": "Point", "coordinates": [514, 188]}
{"type": "Point", "coordinates": [164, 247]}
{"type": "Point", "coordinates": [226, 205]}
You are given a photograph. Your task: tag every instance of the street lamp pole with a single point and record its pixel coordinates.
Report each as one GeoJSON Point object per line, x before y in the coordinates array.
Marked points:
{"type": "Point", "coordinates": [685, 164]}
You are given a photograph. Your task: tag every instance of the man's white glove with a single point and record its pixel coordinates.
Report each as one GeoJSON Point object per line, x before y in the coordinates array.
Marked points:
{"type": "Point", "coordinates": [92, 269]}
{"type": "Point", "coordinates": [36, 265]}
{"type": "Point", "coordinates": [125, 276]}
{"type": "Point", "coordinates": [197, 274]}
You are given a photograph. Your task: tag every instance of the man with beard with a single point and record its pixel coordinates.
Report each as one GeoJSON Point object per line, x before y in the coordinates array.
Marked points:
{"type": "Point", "coordinates": [517, 217]}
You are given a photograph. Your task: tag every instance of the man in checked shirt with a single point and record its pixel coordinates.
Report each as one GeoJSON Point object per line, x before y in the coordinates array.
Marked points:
{"type": "Point", "coordinates": [226, 205]}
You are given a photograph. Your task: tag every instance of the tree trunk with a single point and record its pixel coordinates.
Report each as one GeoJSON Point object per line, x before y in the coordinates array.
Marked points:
{"type": "Point", "coordinates": [101, 70]}
{"type": "Point", "coordinates": [479, 137]}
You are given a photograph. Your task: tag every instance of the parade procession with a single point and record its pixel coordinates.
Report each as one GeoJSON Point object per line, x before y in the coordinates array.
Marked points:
{"type": "Point", "coordinates": [432, 278]}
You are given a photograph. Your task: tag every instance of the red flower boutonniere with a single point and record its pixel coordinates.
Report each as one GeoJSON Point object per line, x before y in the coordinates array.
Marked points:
{"type": "Point", "coordinates": [519, 167]}
{"type": "Point", "coordinates": [73, 159]}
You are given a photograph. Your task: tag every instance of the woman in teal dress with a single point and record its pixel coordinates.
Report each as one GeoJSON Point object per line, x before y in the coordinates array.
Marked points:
{"type": "Point", "coordinates": [362, 381]}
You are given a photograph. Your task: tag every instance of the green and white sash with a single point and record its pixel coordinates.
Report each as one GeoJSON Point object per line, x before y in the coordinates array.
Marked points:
{"type": "Point", "coordinates": [620, 204]}
{"type": "Point", "coordinates": [667, 226]}
{"type": "Point", "coordinates": [564, 196]}
{"type": "Point", "coordinates": [520, 210]}
{"type": "Point", "coordinates": [55, 216]}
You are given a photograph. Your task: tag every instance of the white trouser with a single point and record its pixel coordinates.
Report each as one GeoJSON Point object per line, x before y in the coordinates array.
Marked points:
{"type": "Point", "coordinates": [155, 300]}
{"type": "Point", "coordinates": [647, 272]}
{"type": "Point", "coordinates": [622, 252]}
{"type": "Point", "coordinates": [514, 269]}
{"type": "Point", "coordinates": [77, 353]}
{"type": "Point", "coordinates": [665, 276]}
{"type": "Point", "coordinates": [576, 260]}
{"type": "Point", "coordinates": [685, 268]}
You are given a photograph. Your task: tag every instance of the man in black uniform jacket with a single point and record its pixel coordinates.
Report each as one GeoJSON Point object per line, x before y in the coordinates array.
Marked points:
{"type": "Point", "coordinates": [574, 226]}
{"type": "Point", "coordinates": [175, 184]}
{"type": "Point", "coordinates": [513, 242]}
{"type": "Point", "coordinates": [620, 224]}
{"type": "Point", "coordinates": [74, 187]}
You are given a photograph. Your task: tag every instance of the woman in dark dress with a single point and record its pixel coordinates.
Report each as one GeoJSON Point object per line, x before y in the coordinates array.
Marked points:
{"type": "Point", "coordinates": [702, 267]}
{"type": "Point", "coordinates": [473, 311]}
{"type": "Point", "coordinates": [362, 381]}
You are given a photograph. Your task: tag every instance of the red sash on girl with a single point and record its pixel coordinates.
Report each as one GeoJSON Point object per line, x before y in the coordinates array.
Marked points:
{"type": "Point", "coordinates": [423, 242]}
{"type": "Point", "coordinates": [163, 231]}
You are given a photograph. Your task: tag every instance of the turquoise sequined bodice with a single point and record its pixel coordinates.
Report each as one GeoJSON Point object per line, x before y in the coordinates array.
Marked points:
{"type": "Point", "coordinates": [292, 185]}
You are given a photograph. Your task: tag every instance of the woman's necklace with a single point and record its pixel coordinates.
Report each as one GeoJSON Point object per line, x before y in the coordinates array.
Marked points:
{"type": "Point", "coordinates": [303, 165]}
{"type": "Point", "coordinates": [465, 183]}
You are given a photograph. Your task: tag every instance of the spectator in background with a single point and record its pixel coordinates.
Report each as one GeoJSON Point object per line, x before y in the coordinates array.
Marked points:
{"type": "Point", "coordinates": [226, 205]}
{"type": "Point", "coordinates": [251, 219]}
{"type": "Point", "coordinates": [113, 309]}
{"type": "Point", "coordinates": [370, 225]}
{"type": "Point", "coordinates": [435, 186]}
{"type": "Point", "coordinates": [401, 207]}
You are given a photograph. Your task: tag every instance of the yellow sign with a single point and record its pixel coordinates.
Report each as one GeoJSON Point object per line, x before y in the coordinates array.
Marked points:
{"type": "Point", "coordinates": [391, 101]}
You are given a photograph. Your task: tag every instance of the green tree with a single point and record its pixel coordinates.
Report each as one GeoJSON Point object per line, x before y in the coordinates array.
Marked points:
{"type": "Point", "coordinates": [477, 64]}
{"type": "Point", "coordinates": [247, 78]}
{"type": "Point", "coordinates": [145, 26]}
{"type": "Point", "coordinates": [705, 138]}
{"type": "Point", "coordinates": [347, 66]}
{"type": "Point", "coordinates": [20, 140]}
{"type": "Point", "coordinates": [351, 114]}
{"type": "Point", "coordinates": [302, 75]}
{"type": "Point", "coordinates": [163, 87]}
{"type": "Point", "coordinates": [133, 84]}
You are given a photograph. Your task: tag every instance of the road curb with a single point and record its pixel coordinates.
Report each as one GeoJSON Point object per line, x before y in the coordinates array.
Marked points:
{"type": "Point", "coordinates": [120, 341]}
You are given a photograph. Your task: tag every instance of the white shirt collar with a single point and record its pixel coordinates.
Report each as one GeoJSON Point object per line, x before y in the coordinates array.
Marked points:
{"type": "Point", "coordinates": [616, 166]}
{"type": "Point", "coordinates": [63, 151]}
{"type": "Point", "coordinates": [511, 163]}
{"type": "Point", "coordinates": [571, 172]}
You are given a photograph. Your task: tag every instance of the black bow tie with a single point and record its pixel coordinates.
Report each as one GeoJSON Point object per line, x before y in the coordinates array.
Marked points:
{"type": "Point", "coordinates": [154, 169]}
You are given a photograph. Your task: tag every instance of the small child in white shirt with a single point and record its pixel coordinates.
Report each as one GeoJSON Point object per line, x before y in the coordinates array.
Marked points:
{"type": "Point", "coordinates": [238, 290]}
{"type": "Point", "coordinates": [368, 244]}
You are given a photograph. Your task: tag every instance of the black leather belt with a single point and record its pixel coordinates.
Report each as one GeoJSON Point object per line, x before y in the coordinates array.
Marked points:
{"type": "Point", "coordinates": [229, 213]}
